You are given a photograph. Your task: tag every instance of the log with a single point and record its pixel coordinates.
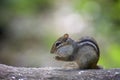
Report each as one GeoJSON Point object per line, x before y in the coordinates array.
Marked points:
{"type": "Point", "coordinates": [50, 73]}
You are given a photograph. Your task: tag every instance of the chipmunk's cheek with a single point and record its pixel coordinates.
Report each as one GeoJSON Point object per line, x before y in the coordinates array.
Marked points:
{"type": "Point", "coordinates": [65, 51]}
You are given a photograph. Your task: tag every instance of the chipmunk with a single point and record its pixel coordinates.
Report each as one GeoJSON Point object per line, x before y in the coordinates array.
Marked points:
{"type": "Point", "coordinates": [84, 52]}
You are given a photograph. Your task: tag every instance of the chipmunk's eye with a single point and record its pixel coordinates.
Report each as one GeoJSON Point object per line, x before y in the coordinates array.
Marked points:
{"type": "Point", "coordinates": [58, 43]}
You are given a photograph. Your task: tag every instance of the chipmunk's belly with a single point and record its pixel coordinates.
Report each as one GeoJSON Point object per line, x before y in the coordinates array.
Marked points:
{"type": "Point", "coordinates": [64, 51]}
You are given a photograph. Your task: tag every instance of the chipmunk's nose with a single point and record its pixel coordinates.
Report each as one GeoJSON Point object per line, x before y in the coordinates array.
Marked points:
{"type": "Point", "coordinates": [52, 51]}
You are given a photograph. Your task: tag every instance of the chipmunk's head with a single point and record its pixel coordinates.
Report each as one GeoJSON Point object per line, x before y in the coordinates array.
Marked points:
{"type": "Point", "coordinates": [62, 46]}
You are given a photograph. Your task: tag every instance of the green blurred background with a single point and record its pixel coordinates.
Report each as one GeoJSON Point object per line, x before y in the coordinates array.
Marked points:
{"type": "Point", "coordinates": [28, 28]}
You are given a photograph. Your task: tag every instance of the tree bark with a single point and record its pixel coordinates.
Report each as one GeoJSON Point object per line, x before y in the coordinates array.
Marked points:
{"type": "Point", "coordinates": [49, 73]}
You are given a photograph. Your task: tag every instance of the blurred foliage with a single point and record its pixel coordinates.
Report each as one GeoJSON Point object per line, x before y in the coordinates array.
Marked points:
{"type": "Point", "coordinates": [105, 17]}
{"type": "Point", "coordinates": [105, 13]}
{"type": "Point", "coordinates": [23, 6]}
{"type": "Point", "coordinates": [12, 49]}
{"type": "Point", "coordinates": [106, 20]}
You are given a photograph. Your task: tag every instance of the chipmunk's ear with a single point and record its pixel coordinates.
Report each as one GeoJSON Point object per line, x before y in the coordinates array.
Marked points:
{"type": "Point", "coordinates": [66, 36]}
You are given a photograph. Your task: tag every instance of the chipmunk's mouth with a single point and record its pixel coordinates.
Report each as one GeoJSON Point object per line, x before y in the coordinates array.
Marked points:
{"type": "Point", "coordinates": [59, 54]}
